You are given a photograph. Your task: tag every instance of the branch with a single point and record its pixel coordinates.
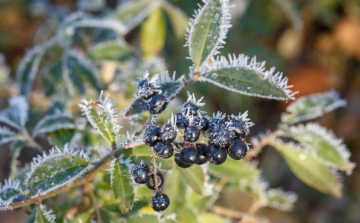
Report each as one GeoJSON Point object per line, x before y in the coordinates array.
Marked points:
{"type": "Point", "coordinates": [264, 141]}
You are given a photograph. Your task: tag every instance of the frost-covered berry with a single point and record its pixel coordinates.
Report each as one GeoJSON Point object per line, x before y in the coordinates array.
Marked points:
{"type": "Point", "coordinates": [157, 104]}
{"type": "Point", "coordinates": [238, 149]}
{"type": "Point", "coordinates": [201, 150]}
{"type": "Point", "coordinates": [222, 137]}
{"type": "Point", "coordinates": [151, 135]}
{"type": "Point", "coordinates": [191, 134]}
{"type": "Point", "coordinates": [181, 121]}
{"type": "Point", "coordinates": [140, 173]}
{"type": "Point", "coordinates": [163, 150]}
{"type": "Point", "coordinates": [201, 123]}
{"type": "Point", "coordinates": [146, 89]}
{"type": "Point", "coordinates": [168, 133]}
{"type": "Point", "coordinates": [188, 155]}
{"type": "Point", "coordinates": [151, 182]}
{"type": "Point", "coordinates": [215, 155]}
{"type": "Point", "coordinates": [190, 109]}
{"type": "Point", "coordinates": [180, 162]}
{"type": "Point", "coordinates": [159, 202]}
{"type": "Point", "coordinates": [240, 124]}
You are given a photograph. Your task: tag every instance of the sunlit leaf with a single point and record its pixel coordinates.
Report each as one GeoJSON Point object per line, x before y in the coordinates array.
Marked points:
{"type": "Point", "coordinates": [110, 50]}
{"type": "Point", "coordinates": [188, 215]}
{"type": "Point", "coordinates": [122, 185]}
{"type": "Point", "coordinates": [194, 177]}
{"type": "Point", "coordinates": [83, 217]}
{"type": "Point", "coordinates": [209, 217]}
{"type": "Point", "coordinates": [54, 122]}
{"type": "Point", "coordinates": [178, 19]}
{"type": "Point", "coordinates": [312, 106]}
{"type": "Point", "coordinates": [175, 188]}
{"type": "Point", "coordinates": [148, 218]}
{"type": "Point", "coordinates": [250, 78]}
{"type": "Point", "coordinates": [234, 170]}
{"type": "Point", "coordinates": [308, 168]}
{"type": "Point", "coordinates": [208, 29]}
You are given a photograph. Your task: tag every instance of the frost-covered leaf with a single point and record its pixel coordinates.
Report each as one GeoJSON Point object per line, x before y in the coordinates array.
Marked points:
{"type": "Point", "coordinates": [208, 29]}
{"type": "Point", "coordinates": [110, 50]}
{"type": "Point", "coordinates": [169, 87]}
{"type": "Point", "coordinates": [195, 177]}
{"type": "Point", "coordinates": [6, 135]}
{"type": "Point", "coordinates": [43, 215]}
{"type": "Point", "coordinates": [234, 170]}
{"type": "Point", "coordinates": [209, 217]}
{"type": "Point", "coordinates": [148, 218]}
{"type": "Point", "coordinates": [54, 122]}
{"type": "Point", "coordinates": [16, 114]}
{"type": "Point", "coordinates": [177, 18]}
{"type": "Point", "coordinates": [8, 192]}
{"type": "Point", "coordinates": [58, 168]}
{"type": "Point", "coordinates": [254, 186]}
{"type": "Point", "coordinates": [81, 71]}
{"type": "Point", "coordinates": [29, 66]}
{"type": "Point", "coordinates": [52, 76]}
{"type": "Point", "coordinates": [250, 78]}
{"type": "Point", "coordinates": [61, 137]}
{"type": "Point", "coordinates": [83, 217]}
{"type": "Point", "coordinates": [122, 184]}
{"type": "Point", "coordinates": [152, 33]}
{"type": "Point", "coordinates": [103, 117]}
{"type": "Point", "coordinates": [324, 144]}
{"type": "Point", "coordinates": [175, 188]}
{"type": "Point", "coordinates": [308, 168]}
{"type": "Point", "coordinates": [103, 23]}
{"type": "Point", "coordinates": [132, 13]}
{"type": "Point", "coordinates": [91, 5]}
{"type": "Point", "coordinates": [279, 199]}
{"type": "Point", "coordinates": [312, 106]}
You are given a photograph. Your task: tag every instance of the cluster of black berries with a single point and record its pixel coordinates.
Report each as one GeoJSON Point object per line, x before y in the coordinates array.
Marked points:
{"type": "Point", "coordinates": [150, 92]}
{"type": "Point", "coordinates": [142, 175]}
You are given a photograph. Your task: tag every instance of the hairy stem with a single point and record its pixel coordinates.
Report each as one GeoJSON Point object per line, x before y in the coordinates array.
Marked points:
{"type": "Point", "coordinates": [153, 160]}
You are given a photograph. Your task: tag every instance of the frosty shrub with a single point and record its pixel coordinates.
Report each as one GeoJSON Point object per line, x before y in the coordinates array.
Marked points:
{"type": "Point", "coordinates": [134, 161]}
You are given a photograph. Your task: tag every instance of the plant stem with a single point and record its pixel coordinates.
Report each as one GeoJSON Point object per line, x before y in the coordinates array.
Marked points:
{"type": "Point", "coordinates": [153, 160]}
{"type": "Point", "coordinates": [93, 199]}
{"type": "Point", "coordinates": [264, 141]}
{"type": "Point", "coordinates": [227, 212]}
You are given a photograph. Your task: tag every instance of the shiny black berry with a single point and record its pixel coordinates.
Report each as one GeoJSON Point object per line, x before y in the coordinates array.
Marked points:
{"type": "Point", "coordinates": [151, 182]}
{"type": "Point", "coordinates": [201, 123]}
{"type": "Point", "coordinates": [181, 121]}
{"type": "Point", "coordinates": [216, 123]}
{"type": "Point", "coordinates": [151, 135]}
{"type": "Point", "coordinates": [159, 202]}
{"type": "Point", "coordinates": [188, 155]}
{"type": "Point", "coordinates": [222, 137]}
{"type": "Point", "coordinates": [191, 134]}
{"type": "Point", "coordinates": [215, 155]}
{"type": "Point", "coordinates": [157, 104]}
{"type": "Point", "coordinates": [163, 150]}
{"type": "Point", "coordinates": [190, 109]}
{"type": "Point", "coordinates": [238, 150]}
{"type": "Point", "coordinates": [201, 150]}
{"type": "Point", "coordinates": [168, 133]}
{"type": "Point", "coordinates": [180, 162]}
{"type": "Point", "coordinates": [239, 127]}
{"type": "Point", "coordinates": [146, 89]}
{"type": "Point", "coordinates": [140, 173]}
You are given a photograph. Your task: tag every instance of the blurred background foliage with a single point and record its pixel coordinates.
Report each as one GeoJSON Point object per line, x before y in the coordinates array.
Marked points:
{"type": "Point", "coordinates": [315, 43]}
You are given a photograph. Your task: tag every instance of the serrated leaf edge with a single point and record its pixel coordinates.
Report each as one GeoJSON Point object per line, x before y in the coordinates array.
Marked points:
{"type": "Point", "coordinates": [52, 116]}
{"type": "Point", "coordinates": [291, 196]}
{"type": "Point", "coordinates": [242, 61]}
{"type": "Point", "coordinates": [6, 131]}
{"type": "Point", "coordinates": [8, 184]}
{"type": "Point", "coordinates": [102, 23]}
{"type": "Point", "coordinates": [48, 214]}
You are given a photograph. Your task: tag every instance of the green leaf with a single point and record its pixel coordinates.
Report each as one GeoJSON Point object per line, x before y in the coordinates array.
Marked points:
{"type": "Point", "coordinates": [6, 135]}
{"type": "Point", "coordinates": [208, 29]}
{"type": "Point", "coordinates": [209, 217]}
{"type": "Point", "coordinates": [83, 217]}
{"type": "Point", "coordinates": [16, 114]}
{"type": "Point", "coordinates": [110, 50]}
{"type": "Point", "coordinates": [8, 192]}
{"type": "Point", "coordinates": [29, 66]}
{"type": "Point", "coordinates": [308, 168]}
{"type": "Point", "coordinates": [148, 218]}
{"type": "Point", "coordinates": [52, 78]}
{"type": "Point", "coordinates": [103, 117]}
{"type": "Point", "coordinates": [82, 71]}
{"type": "Point", "coordinates": [249, 78]}
{"type": "Point", "coordinates": [169, 87]}
{"type": "Point", "coordinates": [234, 170]}
{"type": "Point", "coordinates": [178, 19]}
{"type": "Point", "coordinates": [194, 177]}
{"type": "Point", "coordinates": [187, 215]}
{"type": "Point", "coordinates": [152, 33]}
{"type": "Point", "coordinates": [254, 186]}
{"type": "Point", "coordinates": [312, 106]}
{"type": "Point", "coordinates": [175, 188]}
{"type": "Point", "coordinates": [281, 200]}
{"type": "Point", "coordinates": [61, 137]}
{"type": "Point", "coordinates": [54, 122]}
{"type": "Point", "coordinates": [43, 215]}
{"type": "Point", "coordinates": [202, 202]}
{"type": "Point", "coordinates": [324, 143]}
{"type": "Point", "coordinates": [122, 185]}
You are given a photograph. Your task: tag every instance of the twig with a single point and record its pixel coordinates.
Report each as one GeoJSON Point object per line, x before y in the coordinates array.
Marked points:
{"type": "Point", "coordinates": [153, 160]}
{"type": "Point", "coordinates": [93, 199]}
{"type": "Point", "coordinates": [257, 149]}
{"type": "Point", "coordinates": [227, 212]}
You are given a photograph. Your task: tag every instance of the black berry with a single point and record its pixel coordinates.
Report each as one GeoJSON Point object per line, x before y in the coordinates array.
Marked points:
{"type": "Point", "coordinates": [163, 150]}
{"type": "Point", "coordinates": [215, 155]}
{"type": "Point", "coordinates": [151, 135]}
{"type": "Point", "coordinates": [168, 133]}
{"type": "Point", "coordinates": [238, 150]}
{"type": "Point", "coordinates": [201, 123]}
{"type": "Point", "coordinates": [159, 202]}
{"type": "Point", "coordinates": [201, 150]}
{"type": "Point", "coordinates": [239, 127]}
{"type": "Point", "coordinates": [140, 173]}
{"type": "Point", "coordinates": [146, 89]}
{"type": "Point", "coordinates": [222, 137]}
{"type": "Point", "coordinates": [181, 121]}
{"type": "Point", "coordinates": [216, 123]}
{"type": "Point", "coordinates": [157, 104]}
{"type": "Point", "coordinates": [180, 162]}
{"type": "Point", "coordinates": [188, 155]}
{"type": "Point", "coordinates": [191, 134]}
{"type": "Point", "coordinates": [151, 182]}
{"type": "Point", "coordinates": [189, 109]}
